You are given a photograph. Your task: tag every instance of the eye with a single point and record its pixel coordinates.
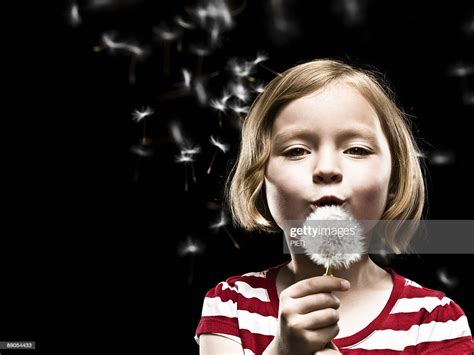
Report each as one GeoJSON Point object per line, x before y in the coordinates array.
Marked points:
{"type": "Point", "coordinates": [295, 152]}
{"type": "Point", "coordinates": [358, 151]}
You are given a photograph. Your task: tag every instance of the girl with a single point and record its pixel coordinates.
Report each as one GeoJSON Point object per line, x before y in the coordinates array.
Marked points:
{"type": "Point", "coordinates": [327, 132]}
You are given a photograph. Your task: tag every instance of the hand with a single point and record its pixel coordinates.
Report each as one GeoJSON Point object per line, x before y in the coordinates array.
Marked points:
{"type": "Point", "coordinates": [308, 315]}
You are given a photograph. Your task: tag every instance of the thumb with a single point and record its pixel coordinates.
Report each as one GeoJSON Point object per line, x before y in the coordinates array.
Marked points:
{"type": "Point", "coordinates": [330, 349]}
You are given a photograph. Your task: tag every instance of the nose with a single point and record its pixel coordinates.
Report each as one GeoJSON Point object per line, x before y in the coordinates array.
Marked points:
{"type": "Point", "coordinates": [327, 169]}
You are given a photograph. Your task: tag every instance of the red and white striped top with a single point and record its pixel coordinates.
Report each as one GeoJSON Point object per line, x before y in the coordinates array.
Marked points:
{"type": "Point", "coordinates": [414, 320]}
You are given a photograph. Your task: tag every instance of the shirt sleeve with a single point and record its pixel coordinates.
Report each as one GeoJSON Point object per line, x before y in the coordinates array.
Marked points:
{"type": "Point", "coordinates": [445, 330]}
{"type": "Point", "coordinates": [219, 313]}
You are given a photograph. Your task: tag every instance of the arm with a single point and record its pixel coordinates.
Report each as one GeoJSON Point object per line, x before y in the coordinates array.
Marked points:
{"type": "Point", "coordinates": [213, 344]}
{"type": "Point", "coordinates": [307, 319]}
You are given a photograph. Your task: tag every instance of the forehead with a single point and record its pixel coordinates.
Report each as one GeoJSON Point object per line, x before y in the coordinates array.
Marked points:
{"type": "Point", "coordinates": [335, 107]}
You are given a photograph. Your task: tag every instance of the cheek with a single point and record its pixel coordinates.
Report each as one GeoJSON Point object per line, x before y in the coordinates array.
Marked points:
{"type": "Point", "coordinates": [371, 197]}
{"type": "Point", "coordinates": [285, 195]}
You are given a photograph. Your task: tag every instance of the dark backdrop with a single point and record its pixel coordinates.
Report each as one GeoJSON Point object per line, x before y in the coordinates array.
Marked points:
{"type": "Point", "coordinates": [112, 221]}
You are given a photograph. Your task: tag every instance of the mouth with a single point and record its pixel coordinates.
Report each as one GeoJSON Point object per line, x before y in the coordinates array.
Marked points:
{"type": "Point", "coordinates": [329, 200]}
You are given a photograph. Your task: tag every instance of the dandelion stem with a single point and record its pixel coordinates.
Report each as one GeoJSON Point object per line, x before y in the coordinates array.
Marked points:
{"type": "Point", "coordinates": [270, 70]}
{"type": "Point", "coordinates": [192, 171]}
{"type": "Point", "coordinates": [185, 177]}
{"type": "Point", "coordinates": [212, 162]}
{"type": "Point", "coordinates": [131, 69]}
{"type": "Point", "coordinates": [329, 271]}
{"type": "Point", "coordinates": [236, 245]}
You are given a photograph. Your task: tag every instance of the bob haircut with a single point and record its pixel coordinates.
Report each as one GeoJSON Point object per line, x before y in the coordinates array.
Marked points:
{"type": "Point", "coordinates": [245, 191]}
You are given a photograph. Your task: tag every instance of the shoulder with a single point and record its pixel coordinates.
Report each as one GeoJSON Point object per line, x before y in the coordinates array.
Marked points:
{"type": "Point", "coordinates": [251, 285]}
{"type": "Point", "coordinates": [414, 297]}
{"type": "Point", "coordinates": [436, 320]}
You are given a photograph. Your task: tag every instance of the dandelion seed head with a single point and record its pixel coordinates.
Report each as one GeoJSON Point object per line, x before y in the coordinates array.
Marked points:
{"type": "Point", "coordinates": [335, 249]}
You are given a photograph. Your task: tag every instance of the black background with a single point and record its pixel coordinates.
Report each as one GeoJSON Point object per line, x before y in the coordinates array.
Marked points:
{"type": "Point", "coordinates": [92, 231]}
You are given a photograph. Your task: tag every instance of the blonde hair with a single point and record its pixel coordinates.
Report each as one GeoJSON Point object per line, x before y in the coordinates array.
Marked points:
{"type": "Point", "coordinates": [245, 193]}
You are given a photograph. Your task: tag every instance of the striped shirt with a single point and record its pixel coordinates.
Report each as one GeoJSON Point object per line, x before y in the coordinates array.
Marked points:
{"type": "Point", "coordinates": [414, 320]}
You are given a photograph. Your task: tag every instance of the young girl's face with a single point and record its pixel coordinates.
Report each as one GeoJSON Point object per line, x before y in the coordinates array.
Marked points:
{"type": "Point", "coordinates": [327, 143]}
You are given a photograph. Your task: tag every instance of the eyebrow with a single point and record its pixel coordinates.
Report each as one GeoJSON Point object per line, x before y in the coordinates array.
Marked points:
{"type": "Point", "coordinates": [352, 132]}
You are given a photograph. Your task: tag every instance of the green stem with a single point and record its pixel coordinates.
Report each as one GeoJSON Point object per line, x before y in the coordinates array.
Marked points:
{"type": "Point", "coordinates": [329, 270]}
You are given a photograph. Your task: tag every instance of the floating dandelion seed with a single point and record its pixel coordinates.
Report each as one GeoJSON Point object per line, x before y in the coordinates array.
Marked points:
{"type": "Point", "coordinates": [177, 133]}
{"type": "Point", "coordinates": [220, 106]}
{"type": "Point", "coordinates": [138, 116]}
{"type": "Point", "coordinates": [187, 158]}
{"type": "Point", "coordinates": [239, 110]}
{"type": "Point", "coordinates": [142, 150]}
{"type": "Point", "coordinates": [221, 223]}
{"type": "Point", "coordinates": [167, 36]}
{"type": "Point", "coordinates": [200, 91]}
{"type": "Point", "coordinates": [241, 68]}
{"type": "Point", "coordinates": [441, 157]}
{"type": "Point", "coordinates": [333, 247]}
{"type": "Point", "coordinates": [184, 88]}
{"type": "Point", "coordinates": [183, 23]}
{"type": "Point", "coordinates": [468, 26]}
{"type": "Point", "coordinates": [200, 51]}
{"type": "Point", "coordinates": [259, 88]}
{"type": "Point", "coordinates": [461, 70]}
{"type": "Point", "coordinates": [219, 146]}
{"type": "Point", "coordinates": [239, 90]}
{"type": "Point", "coordinates": [190, 248]}
{"type": "Point", "coordinates": [445, 279]}
{"type": "Point", "coordinates": [468, 98]}
{"type": "Point", "coordinates": [263, 57]}
{"type": "Point", "coordinates": [74, 16]}
{"type": "Point", "coordinates": [109, 42]}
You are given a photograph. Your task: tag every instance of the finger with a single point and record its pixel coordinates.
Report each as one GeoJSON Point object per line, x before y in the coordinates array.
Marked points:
{"type": "Point", "coordinates": [315, 302]}
{"type": "Point", "coordinates": [319, 319]}
{"type": "Point", "coordinates": [316, 285]}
